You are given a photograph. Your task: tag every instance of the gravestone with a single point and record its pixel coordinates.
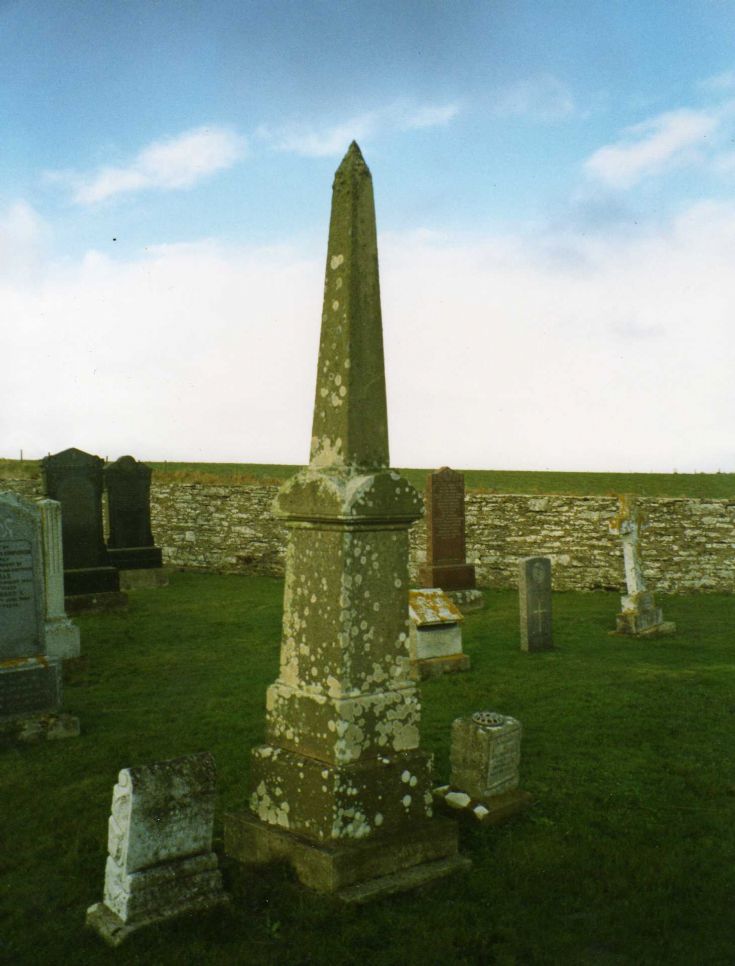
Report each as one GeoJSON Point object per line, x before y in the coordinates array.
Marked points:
{"type": "Point", "coordinates": [75, 479]}
{"type": "Point", "coordinates": [435, 634]}
{"type": "Point", "coordinates": [534, 591]}
{"type": "Point", "coordinates": [61, 636]}
{"type": "Point", "coordinates": [341, 788]}
{"type": "Point", "coordinates": [485, 759]}
{"type": "Point", "coordinates": [130, 543]}
{"type": "Point", "coordinates": [30, 680]}
{"type": "Point", "coordinates": [446, 566]}
{"type": "Point", "coordinates": [160, 862]}
{"type": "Point", "coordinates": [640, 617]}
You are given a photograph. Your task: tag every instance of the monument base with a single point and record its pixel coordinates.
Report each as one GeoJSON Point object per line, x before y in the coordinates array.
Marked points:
{"type": "Point", "coordinates": [62, 639]}
{"type": "Point", "coordinates": [434, 667]}
{"type": "Point", "coordinates": [30, 728]}
{"type": "Point", "coordinates": [624, 625]}
{"type": "Point", "coordinates": [114, 931]}
{"type": "Point", "coordinates": [143, 579]}
{"type": "Point", "coordinates": [90, 580]}
{"type": "Point", "coordinates": [467, 600]}
{"type": "Point", "coordinates": [354, 871]}
{"type": "Point", "coordinates": [135, 558]}
{"type": "Point", "coordinates": [459, 576]}
{"type": "Point", "coordinates": [490, 811]}
{"type": "Point", "coordinates": [102, 603]}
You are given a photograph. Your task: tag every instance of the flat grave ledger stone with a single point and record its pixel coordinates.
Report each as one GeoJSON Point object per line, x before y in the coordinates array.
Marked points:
{"type": "Point", "coordinates": [435, 634]}
{"type": "Point", "coordinates": [485, 761]}
{"type": "Point", "coordinates": [534, 592]}
{"type": "Point", "coordinates": [160, 862]}
{"type": "Point", "coordinates": [130, 544]}
{"type": "Point", "coordinates": [446, 566]}
{"type": "Point", "coordinates": [639, 616]}
{"type": "Point", "coordinates": [341, 788]}
{"type": "Point", "coordinates": [74, 478]}
{"type": "Point", "coordinates": [30, 680]}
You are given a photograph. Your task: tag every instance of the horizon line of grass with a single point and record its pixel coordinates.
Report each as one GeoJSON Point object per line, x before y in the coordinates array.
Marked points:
{"type": "Point", "coordinates": [718, 485]}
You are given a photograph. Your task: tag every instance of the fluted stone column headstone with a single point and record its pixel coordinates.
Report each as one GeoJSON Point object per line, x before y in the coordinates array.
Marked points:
{"type": "Point", "coordinates": [60, 635]}
{"type": "Point", "coordinates": [639, 615]}
{"type": "Point", "coordinates": [341, 788]}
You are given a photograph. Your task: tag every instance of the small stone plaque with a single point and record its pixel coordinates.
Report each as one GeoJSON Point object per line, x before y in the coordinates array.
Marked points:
{"type": "Point", "coordinates": [534, 590]}
{"type": "Point", "coordinates": [485, 755]}
{"type": "Point", "coordinates": [32, 686]}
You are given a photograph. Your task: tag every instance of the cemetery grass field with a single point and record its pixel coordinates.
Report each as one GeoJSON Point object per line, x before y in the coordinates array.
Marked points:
{"type": "Point", "coordinates": [626, 856]}
{"type": "Point", "coordinates": [706, 485]}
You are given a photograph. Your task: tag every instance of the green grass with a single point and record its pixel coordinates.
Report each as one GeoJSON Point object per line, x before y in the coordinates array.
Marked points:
{"type": "Point", "coordinates": [707, 485]}
{"type": "Point", "coordinates": [626, 857]}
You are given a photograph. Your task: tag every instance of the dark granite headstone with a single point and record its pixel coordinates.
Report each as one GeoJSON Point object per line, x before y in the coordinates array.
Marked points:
{"type": "Point", "coordinates": [446, 566]}
{"type": "Point", "coordinates": [75, 479]}
{"type": "Point", "coordinates": [534, 589]}
{"type": "Point", "coordinates": [130, 544]}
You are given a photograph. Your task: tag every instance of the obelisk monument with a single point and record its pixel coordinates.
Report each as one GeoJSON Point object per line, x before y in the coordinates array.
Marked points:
{"type": "Point", "coordinates": [341, 788]}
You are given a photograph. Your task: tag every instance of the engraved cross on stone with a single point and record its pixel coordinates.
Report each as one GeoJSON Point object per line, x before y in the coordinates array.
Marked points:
{"type": "Point", "coordinates": [539, 612]}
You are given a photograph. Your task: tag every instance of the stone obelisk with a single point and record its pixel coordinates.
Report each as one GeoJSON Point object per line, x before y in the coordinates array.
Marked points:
{"type": "Point", "coordinates": [341, 788]}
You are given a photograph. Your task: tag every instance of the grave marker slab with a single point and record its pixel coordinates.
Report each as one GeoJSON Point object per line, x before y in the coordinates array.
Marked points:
{"type": "Point", "coordinates": [639, 617]}
{"type": "Point", "coordinates": [534, 592]}
{"type": "Point", "coordinates": [130, 544]}
{"type": "Point", "coordinates": [485, 759]}
{"type": "Point", "coordinates": [435, 634]}
{"type": "Point", "coordinates": [74, 479]}
{"type": "Point", "coordinates": [61, 636]}
{"type": "Point", "coordinates": [160, 862]}
{"type": "Point", "coordinates": [30, 679]}
{"type": "Point", "coordinates": [446, 566]}
{"type": "Point", "coordinates": [341, 789]}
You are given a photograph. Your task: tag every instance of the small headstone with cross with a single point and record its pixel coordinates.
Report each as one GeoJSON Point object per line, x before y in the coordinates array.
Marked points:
{"type": "Point", "coordinates": [534, 589]}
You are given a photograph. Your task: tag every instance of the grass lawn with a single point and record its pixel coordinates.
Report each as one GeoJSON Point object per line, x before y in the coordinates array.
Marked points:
{"type": "Point", "coordinates": [707, 485]}
{"type": "Point", "coordinates": [626, 856]}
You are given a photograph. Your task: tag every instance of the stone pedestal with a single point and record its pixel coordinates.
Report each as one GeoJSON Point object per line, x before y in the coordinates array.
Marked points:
{"type": "Point", "coordinates": [160, 863]}
{"type": "Point", "coordinates": [435, 634]}
{"type": "Point", "coordinates": [143, 579]}
{"type": "Point", "coordinates": [485, 760]}
{"type": "Point", "coordinates": [641, 617]}
{"type": "Point", "coordinates": [341, 788]}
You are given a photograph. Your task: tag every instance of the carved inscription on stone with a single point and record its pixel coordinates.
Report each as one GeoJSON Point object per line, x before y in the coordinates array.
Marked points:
{"type": "Point", "coordinates": [18, 604]}
{"type": "Point", "coordinates": [25, 689]}
{"type": "Point", "coordinates": [503, 763]}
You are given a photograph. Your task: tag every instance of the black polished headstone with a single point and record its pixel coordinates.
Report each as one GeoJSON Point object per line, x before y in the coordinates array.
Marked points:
{"type": "Point", "coordinates": [130, 544]}
{"type": "Point", "coordinates": [75, 479]}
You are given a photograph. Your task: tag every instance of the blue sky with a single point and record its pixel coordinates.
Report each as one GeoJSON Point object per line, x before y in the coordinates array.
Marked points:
{"type": "Point", "coordinates": [555, 193]}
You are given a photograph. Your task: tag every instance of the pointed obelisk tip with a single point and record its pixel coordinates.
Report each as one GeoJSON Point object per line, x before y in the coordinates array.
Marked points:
{"type": "Point", "coordinates": [353, 160]}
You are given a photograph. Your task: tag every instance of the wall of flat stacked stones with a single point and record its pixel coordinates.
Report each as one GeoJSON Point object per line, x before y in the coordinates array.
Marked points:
{"type": "Point", "coordinates": [689, 544]}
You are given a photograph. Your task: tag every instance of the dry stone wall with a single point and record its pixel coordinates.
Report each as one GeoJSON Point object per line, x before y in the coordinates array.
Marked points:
{"type": "Point", "coordinates": [689, 544]}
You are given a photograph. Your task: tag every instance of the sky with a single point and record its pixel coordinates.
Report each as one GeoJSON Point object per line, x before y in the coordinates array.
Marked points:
{"type": "Point", "coordinates": [555, 196]}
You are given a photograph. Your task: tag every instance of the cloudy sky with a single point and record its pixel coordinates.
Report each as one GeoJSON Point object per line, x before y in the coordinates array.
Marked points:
{"type": "Point", "coordinates": [555, 190]}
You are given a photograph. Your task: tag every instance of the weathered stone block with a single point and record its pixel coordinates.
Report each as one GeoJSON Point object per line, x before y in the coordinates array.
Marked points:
{"type": "Point", "coordinates": [160, 861]}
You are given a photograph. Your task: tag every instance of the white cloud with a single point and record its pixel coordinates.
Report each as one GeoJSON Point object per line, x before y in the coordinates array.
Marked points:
{"type": "Point", "coordinates": [542, 98]}
{"type": "Point", "coordinates": [177, 162]}
{"type": "Point", "coordinates": [652, 146]}
{"type": "Point", "coordinates": [720, 82]}
{"type": "Point", "coordinates": [23, 237]}
{"type": "Point", "coordinates": [499, 353]}
{"type": "Point", "coordinates": [310, 140]}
